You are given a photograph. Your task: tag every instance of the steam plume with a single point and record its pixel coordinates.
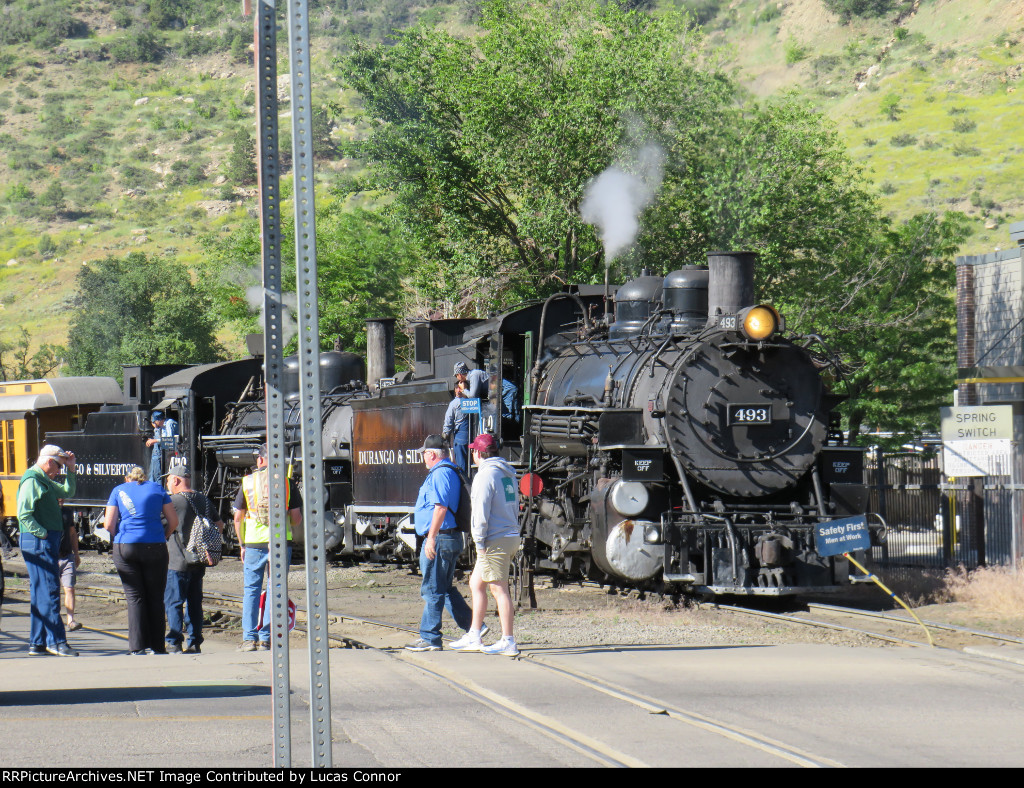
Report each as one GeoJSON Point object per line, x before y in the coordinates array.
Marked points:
{"type": "Point", "coordinates": [614, 200]}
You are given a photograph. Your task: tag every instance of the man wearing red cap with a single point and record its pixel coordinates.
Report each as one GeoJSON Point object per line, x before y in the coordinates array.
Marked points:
{"type": "Point", "coordinates": [495, 531]}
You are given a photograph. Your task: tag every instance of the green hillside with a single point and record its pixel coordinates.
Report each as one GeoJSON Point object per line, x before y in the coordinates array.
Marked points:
{"type": "Point", "coordinates": [122, 125]}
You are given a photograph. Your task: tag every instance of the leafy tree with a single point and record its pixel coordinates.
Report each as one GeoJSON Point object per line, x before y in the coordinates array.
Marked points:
{"type": "Point", "coordinates": [487, 147]}
{"type": "Point", "coordinates": [53, 197]}
{"type": "Point", "coordinates": [362, 261]}
{"type": "Point", "coordinates": [138, 310]}
{"type": "Point", "coordinates": [890, 106]}
{"type": "Point", "coordinates": [17, 364]}
{"type": "Point", "coordinates": [241, 164]}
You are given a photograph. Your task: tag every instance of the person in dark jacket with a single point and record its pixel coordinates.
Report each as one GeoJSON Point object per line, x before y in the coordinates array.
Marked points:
{"type": "Point", "coordinates": [183, 596]}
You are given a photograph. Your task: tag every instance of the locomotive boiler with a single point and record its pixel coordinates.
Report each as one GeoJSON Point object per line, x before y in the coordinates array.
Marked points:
{"type": "Point", "coordinates": [689, 443]}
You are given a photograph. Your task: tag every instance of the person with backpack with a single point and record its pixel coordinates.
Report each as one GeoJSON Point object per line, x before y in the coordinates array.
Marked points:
{"type": "Point", "coordinates": [495, 530]}
{"type": "Point", "coordinates": [183, 596]}
{"type": "Point", "coordinates": [436, 504]}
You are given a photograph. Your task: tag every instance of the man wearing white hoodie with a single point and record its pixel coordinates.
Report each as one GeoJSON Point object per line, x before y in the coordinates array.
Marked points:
{"type": "Point", "coordinates": [495, 531]}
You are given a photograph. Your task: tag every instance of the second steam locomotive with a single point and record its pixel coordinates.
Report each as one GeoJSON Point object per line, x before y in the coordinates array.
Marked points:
{"type": "Point", "coordinates": [684, 441]}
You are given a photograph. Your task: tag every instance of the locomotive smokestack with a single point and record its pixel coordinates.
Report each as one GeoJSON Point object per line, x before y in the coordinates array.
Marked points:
{"type": "Point", "coordinates": [730, 283]}
{"type": "Point", "coordinates": [380, 350]}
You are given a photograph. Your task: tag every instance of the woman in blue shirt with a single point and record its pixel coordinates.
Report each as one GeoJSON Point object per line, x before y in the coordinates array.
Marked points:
{"type": "Point", "coordinates": [140, 555]}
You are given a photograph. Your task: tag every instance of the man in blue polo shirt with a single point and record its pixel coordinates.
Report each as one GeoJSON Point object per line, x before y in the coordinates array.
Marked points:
{"type": "Point", "coordinates": [442, 544]}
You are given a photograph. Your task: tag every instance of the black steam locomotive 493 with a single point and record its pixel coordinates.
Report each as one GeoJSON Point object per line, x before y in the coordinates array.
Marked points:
{"type": "Point", "coordinates": [683, 442]}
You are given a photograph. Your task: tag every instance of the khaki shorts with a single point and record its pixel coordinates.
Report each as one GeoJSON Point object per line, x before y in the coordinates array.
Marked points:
{"type": "Point", "coordinates": [494, 561]}
{"type": "Point", "coordinates": [68, 574]}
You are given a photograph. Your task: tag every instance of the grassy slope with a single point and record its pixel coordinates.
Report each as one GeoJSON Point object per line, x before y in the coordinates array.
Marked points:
{"type": "Point", "coordinates": [960, 61]}
{"type": "Point", "coordinates": [952, 66]}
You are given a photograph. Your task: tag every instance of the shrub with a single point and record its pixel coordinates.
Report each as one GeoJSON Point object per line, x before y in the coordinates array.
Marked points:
{"type": "Point", "coordinates": [964, 125]}
{"type": "Point", "coordinates": [768, 13]}
{"type": "Point", "coordinates": [847, 9]}
{"type": "Point", "coordinates": [17, 192]}
{"type": "Point", "coordinates": [961, 149]}
{"type": "Point", "coordinates": [795, 52]}
{"type": "Point", "coordinates": [903, 140]}
{"type": "Point", "coordinates": [47, 23]}
{"type": "Point", "coordinates": [140, 47]}
{"type": "Point", "coordinates": [890, 106]}
{"type": "Point", "coordinates": [887, 188]}
{"type": "Point", "coordinates": [992, 589]}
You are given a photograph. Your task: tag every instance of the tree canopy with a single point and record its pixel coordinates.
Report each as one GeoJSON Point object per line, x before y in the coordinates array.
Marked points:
{"type": "Point", "coordinates": [139, 310]}
{"type": "Point", "coordinates": [489, 145]}
{"type": "Point", "coordinates": [363, 262]}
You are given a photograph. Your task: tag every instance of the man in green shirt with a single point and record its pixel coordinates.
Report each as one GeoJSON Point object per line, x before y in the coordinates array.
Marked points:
{"type": "Point", "coordinates": [41, 528]}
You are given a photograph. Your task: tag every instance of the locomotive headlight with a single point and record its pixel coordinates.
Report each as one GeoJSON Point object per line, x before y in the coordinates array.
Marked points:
{"type": "Point", "coordinates": [629, 498]}
{"type": "Point", "coordinates": [652, 534]}
{"type": "Point", "coordinates": [760, 322]}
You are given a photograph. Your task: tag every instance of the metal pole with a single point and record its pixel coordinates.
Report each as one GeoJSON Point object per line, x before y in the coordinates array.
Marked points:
{"type": "Point", "coordinates": [273, 310]}
{"type": "Point", "coordinates": [309, 382]}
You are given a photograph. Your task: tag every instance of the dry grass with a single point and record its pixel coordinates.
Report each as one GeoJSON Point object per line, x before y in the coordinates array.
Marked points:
{"type": "Point", "coordinates": [998, 590]}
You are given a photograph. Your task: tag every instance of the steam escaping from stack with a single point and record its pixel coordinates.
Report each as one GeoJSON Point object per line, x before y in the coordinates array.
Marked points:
{"type": "Point", "coordinates": [614, 200]}
{"type": "Point", "coordinates": [254, 295]}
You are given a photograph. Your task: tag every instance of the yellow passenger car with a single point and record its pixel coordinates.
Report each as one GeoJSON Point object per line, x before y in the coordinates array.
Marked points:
{"type": "Point", "coordinates": [31, 408]}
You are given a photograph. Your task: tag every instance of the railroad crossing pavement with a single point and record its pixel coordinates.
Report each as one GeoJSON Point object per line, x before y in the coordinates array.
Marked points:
{"type": "Point", "coordinates": [706, 706]}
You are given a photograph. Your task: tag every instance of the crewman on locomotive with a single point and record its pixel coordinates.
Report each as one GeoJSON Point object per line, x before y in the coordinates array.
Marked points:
{"type": "Point", "coordinates": [165, 436]}
{"type": "Point", "coordinates": [474, 381]}
{"type": "Point", "coordinates": [252, 525]}
{"type": "Point", "coordinates": [455, 429]}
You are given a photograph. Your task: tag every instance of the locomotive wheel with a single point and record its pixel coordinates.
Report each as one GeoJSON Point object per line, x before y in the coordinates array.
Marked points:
{"type": "Point", "coordinates": [516, 572]}
{"type": "Point", "coordinates": [520, 581]}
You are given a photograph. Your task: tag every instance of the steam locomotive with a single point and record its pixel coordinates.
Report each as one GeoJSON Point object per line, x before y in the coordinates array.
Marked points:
{"type": "Point", "coordinates": [683, 442]}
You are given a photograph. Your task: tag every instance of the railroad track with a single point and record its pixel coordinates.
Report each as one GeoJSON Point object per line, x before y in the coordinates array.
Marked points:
{"type": "Point", "coordinates": [886, 627]}
{"type": "Point", "coordinates": [356, 632]}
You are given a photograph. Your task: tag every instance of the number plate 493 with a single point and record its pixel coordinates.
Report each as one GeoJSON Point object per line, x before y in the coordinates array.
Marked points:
{"type": "Point", "coordinates": [740, 415]}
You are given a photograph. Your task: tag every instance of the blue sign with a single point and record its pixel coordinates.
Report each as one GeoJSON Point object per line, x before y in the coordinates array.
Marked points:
{"type": "Point", "coordinates": [470, 406]}
{"type": "Point", "coordinates": [842, 536]}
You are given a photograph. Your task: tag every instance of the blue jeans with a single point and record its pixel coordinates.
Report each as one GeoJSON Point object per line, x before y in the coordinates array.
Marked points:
{"type": "Point", "coordinates": [41, 559]}
{"type": "Point", "coordinates": [156, 462]}
{"type": "Point", "coordinates": [436, 588]}
{"type": "Point", "coordinates": [183, 603]}
{"type": "Point", "coordinates": [253, 571]}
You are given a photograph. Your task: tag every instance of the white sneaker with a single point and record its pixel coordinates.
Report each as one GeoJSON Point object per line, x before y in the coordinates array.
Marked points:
{"type": "Point", "coordinates": [468, 642]}
{"type": "Point", "coordinates": [506, 647]}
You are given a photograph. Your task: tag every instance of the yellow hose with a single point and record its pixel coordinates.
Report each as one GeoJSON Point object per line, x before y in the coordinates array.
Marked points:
{"type": "Point", "coordinates": [890, 593]}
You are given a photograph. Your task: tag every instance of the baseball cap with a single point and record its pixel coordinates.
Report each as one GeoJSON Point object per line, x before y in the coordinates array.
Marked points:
{"type": "Point", "coordinates": [435, 443]}
{"type": "Point", "coordinates": [49, 450]}
{"type": "Point", "coordinates": [180, 469]}
{"type": "Point", "coordinates": [461, 368]}
{"type": "Point", "coordinates": [157, 414]}
{"type": "Point", "coordinates": [263, 452]}
{"type": "Point", "coordinates": [483, 442]}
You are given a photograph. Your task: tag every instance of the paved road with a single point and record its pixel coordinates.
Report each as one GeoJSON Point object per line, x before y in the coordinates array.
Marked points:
{"type": "Point", "coordinates": [777, 706]}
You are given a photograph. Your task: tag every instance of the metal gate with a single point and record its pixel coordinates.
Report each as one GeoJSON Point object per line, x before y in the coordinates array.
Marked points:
{"type": "Point", "coordinates": [939, 523]}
